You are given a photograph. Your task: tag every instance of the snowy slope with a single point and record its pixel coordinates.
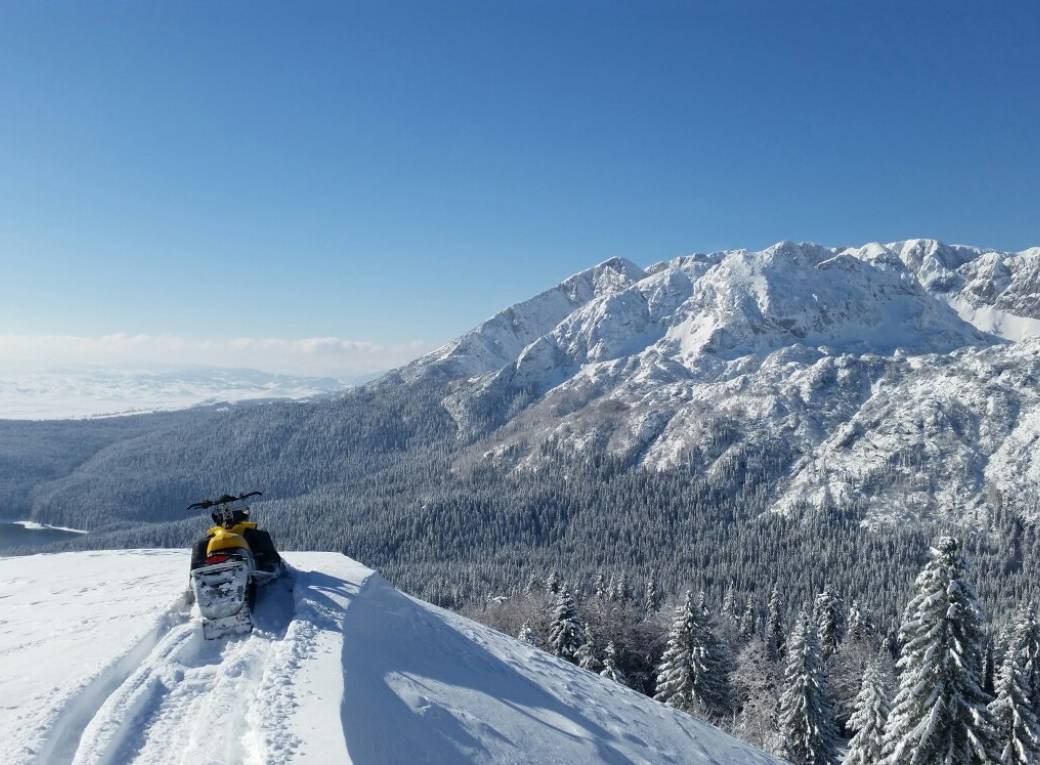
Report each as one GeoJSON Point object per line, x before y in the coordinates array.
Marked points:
{"type": "Point", "coordinates": [902, 376]}
{"type": "Point", "coordinates": [101, 662]}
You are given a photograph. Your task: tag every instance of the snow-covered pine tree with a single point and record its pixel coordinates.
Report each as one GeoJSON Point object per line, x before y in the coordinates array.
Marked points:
{"type": "Point", "coordinates": [534, 584]}
{"type": "Point", "coordinates": [748, 620]}
{"type": "Point", "coordinates": [939, 713]}
{"type": "Point", "coordinates": [989, 667]}
{"type": "Point", "coordinates": [1029, 643]}
{"type": "Point", "coordinates": [1018, 732]}
{"type": "Point", "coordinates": [829, 615]}
{"type": "Point", "coordinates": [552, 583]}
{"type": "Point", "coordinates": [610, 665]}
{"type": "Point", "coordinates": [586, 654]}
{"type": "Point", "coordinates": [621, 593]}
{"type": "Point", "coordinates": [651, 596]}
{"type": "Point", "coordinates": [868, 719]}
{"type": "Point", "coordinates": [890, 642]}
{"type": "Point", "coordinates": [805, 715]}
{"type": "Point", "coordinates": [756, 686]}
{"type": "Point", "coordinates": [729, 606]}
{"type": "Point", "coordinates": [856, 625]}
{"type": "Point", "coordinates": [775, 640]}
{"type": "Point", "coordinates": [526, 635]}
{"type": "Point", "coordinates": [600, 587]}
{"type": "Point", "coordinates": [702, 605]}
{"type": "Point", "coordinates": [565, 632]}
{"type": "Point", "coordinates": [693, 675]}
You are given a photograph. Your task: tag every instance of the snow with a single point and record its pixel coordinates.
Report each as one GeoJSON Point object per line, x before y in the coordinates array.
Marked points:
{"type": "Point", "coordinates": [902, 373]}
{"type": "Point", "coordinates": [997, 321]}
{"type": "Point", "coordinates": [102, 661]}
{"type": "Point", "coordinates": [79, 392]}
{"type": "Point", "coordinates": [35, 526]}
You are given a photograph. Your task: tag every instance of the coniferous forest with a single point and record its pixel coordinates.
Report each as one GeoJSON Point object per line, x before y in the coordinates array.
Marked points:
{"type": "Point", "coordinates": [798, 632]}
{"type": "Point", "coordinates": [826, 685]}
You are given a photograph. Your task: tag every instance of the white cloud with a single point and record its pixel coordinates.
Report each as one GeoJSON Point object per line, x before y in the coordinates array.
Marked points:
{"type": "Point", "coordinates": [315, 356]}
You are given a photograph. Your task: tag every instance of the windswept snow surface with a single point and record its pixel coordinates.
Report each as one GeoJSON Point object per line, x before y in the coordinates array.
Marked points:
{"type": "Point", "coordinates": [102, 661]}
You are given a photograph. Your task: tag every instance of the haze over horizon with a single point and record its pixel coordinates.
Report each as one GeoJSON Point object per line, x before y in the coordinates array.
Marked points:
{"type": "Point", "coordinates": [336, 190]}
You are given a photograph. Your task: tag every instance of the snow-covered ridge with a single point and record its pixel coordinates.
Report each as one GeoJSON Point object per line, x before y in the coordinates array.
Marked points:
{"type": "Point", "coordinates": [803, 355]}
{"type": "Point", "coordinates": [102, 662]}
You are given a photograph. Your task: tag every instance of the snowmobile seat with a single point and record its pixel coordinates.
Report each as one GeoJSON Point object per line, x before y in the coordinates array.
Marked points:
{"type": "Point", "coordinates": [260, 542]}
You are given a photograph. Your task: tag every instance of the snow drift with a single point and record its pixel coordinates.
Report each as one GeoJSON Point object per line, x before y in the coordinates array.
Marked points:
{"type": "Point", "coordinates": [102, 661]}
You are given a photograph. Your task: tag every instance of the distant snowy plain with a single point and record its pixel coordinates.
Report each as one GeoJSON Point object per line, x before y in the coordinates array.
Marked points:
{"type": "Point", "coordinates": [77, 392]}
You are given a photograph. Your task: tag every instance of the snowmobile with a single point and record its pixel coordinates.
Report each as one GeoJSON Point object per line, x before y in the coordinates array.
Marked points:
{"type": "Point", "coordinates": [229, 564]}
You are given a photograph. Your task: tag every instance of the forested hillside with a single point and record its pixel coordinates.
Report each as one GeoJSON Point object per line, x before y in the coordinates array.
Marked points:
{"type": "Point", "coordinates": [738, 416]}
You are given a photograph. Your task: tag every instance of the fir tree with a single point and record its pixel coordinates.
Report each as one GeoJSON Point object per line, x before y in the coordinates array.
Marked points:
{"type": "Point", "coordinates": [775, 641]}
{"type": "Point", "coordinates": [868, 719]}
{"type": "Point", "coordinates": [552, 583]}
{"type": "Point", "coordinates": [748, 622]}
{"type": "Point", "coordinates": [828, 613]}
{"type": "Point", "coordinates": [1029, 644]}
{"type": "Point", "coordinates": [600, 587]}
{"type": "Point", "coordinates": [565, 633]}
{"type": "Point", "coordinates": [856, 624]}
{"type": "Point", "coordinates": [534, 584]}
{"type": "Point", "coordinates": [586, 654]}
{"type": "Point", "coordinates": [989, 668]}
{"type": "Point", "coordinates": [1017, 729]}
{"type": "Point", "coordinates": [939, 714]}
{"type": "Point", "coordinates": [702, 605]}
{"type": "Point", "coordinates": [526, 635]}
{"type": "Point", "coordinates": [610, 665]}
{"type": "Point", "coordinates": [890, 642]}
{"type": "Point", "coordinates": [651, 596]}
{"type": "Point", "coordinates": [729, 606]}
{"type": "Point", "coordinates": [805, 716]}
{"type": "Point", "coordinates": [693, 675]}
{"type": "Point", "coordinates": [621, 593]}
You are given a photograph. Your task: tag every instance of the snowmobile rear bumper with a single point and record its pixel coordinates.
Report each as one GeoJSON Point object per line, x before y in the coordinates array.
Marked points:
{"type": "Point", "coordinates": [240, 623]}
{"type": "Point", "coordinates": [223, 593]}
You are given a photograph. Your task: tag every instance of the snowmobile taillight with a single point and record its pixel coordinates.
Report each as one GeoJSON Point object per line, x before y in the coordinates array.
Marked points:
{"type": "Point", "coordinates": [212, 560]}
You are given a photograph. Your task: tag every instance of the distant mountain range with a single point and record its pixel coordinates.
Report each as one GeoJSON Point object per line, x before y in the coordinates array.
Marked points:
{"type": "Point", "coordinates": [901, 378]}
{"type": "Point", "coordinates": [889, 381]}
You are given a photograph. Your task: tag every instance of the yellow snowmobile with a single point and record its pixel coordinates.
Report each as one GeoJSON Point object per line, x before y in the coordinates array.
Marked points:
{"type": "Point", "coordinates": [229, 564]}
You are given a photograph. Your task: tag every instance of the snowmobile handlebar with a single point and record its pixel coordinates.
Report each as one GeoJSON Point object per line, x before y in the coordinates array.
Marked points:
{"type": "Point", "coordinates": [224, 499]}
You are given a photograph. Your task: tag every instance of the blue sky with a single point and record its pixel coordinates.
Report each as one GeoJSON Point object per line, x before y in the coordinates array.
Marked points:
{"type": "Point", "coordinates": [392, 173]}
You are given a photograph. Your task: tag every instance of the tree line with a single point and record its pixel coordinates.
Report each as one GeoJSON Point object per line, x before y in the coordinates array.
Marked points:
{"type": "Point", "coordinates": [829, 685]}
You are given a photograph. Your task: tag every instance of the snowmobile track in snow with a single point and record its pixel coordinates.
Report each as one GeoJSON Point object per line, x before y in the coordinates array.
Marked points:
{"type": "Point", "coordinates": [164, 699]}
{"type": "Point", "coordinates": [60, 747]}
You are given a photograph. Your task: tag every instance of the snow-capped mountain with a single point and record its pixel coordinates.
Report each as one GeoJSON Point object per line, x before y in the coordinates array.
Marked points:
{"type": "Point", "coordinates": [901, 377]}
{"type": "Point", "coordinates": [341, 668]}
{"type": "Point", "coordinates": [82, 391]}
